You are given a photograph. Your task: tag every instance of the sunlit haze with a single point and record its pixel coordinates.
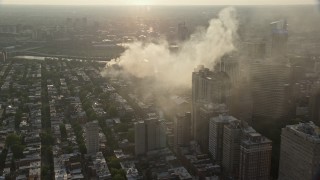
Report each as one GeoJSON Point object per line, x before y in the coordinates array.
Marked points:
{"type": "Point", "coordinates": [160, 89]}
{"type": "Point", "coordinates": [158, 2]}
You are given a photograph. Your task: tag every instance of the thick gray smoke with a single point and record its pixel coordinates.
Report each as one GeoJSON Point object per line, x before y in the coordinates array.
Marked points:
{"type": "Point", "coordinates": [205, 47]}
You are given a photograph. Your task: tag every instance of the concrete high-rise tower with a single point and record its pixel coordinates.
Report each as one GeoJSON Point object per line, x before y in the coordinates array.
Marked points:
{"type": "Point", "coordinates": [183, 32]}
{"type": "Point", "coordinates": [150, 134]}
{"type": "Point", "coordinates": [182, 129]}
{"type": "Point", "coordinates": [279, 38]}
{"type": "Point", "coordinates": [216, 128]}
{"type": "Point", "coordinates": [232, 134]}
{"type": "Point", "coordinates": [270, 89]}
{"type": "Point", "coordinates": [140, 137]}
{"type": "Point", "coordinates": [208, 87]}
{"type": "Point", "coordinates": [300, 152]}
{"type": "Point", "coordinates": [92, 137]}
{"type": "Point", "coordinates": [156, 135]}
{"type": "Point", "coordinates": [255, 157]}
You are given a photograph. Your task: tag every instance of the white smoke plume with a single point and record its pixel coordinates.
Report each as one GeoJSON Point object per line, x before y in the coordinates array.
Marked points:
{"type": "Point", "coordinates": [205, 47]}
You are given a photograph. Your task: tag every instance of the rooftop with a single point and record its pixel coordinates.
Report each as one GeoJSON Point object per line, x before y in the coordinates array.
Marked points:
{"type": "Point", "coordinates": [224, 118]}
{"type": "Point", "coordinates": [307, 130]}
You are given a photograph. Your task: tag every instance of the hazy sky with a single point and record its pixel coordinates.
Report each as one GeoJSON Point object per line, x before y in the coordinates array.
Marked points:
{"type": "Point", "coordinates": [158, 2]}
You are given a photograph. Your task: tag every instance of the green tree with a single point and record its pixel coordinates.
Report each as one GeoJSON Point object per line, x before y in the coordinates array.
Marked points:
{"type": "Point", "coordinates": [63, 131]}
{"type": "Point", "coordinates": [14, 142]}
{"type": "Point", "coordinates": [17, 118]}
{"type": "Point", "coordinates": [82, 148]}
{"type": "Point", "coordinates": [114, 162]}
{"type": "Point", "coordinates": [122, 127]}
{"type": "Point", "coordinates": [47, 139]}
{"type": "Point", "coordinates": [17, 151]}
{"type": "Point", "coordinates": [118, 177]}
{"type": "Point", "coordinates": [113, 111]}
{"type": "Point", "coordinates": [12, 139]}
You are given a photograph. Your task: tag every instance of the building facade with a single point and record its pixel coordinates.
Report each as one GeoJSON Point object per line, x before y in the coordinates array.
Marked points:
{"type": "Point", "coordinates": [216, 128]}
{"type": "Point", "coordinates": [279, 38]}
{"type": "Point", "coordinates": [92, 137]}
{"type": "Point", "coordinates": [182, 129]}
{"type": "Point", "coordinates": [231, 149]}
{"type": "Point", "coordinates": [150, 135]}
{"type": "Point", "coordinates": [300, 152]}
{"type": "Point", "coordinates": [270, 89]}
{"type": "Point", "coordinates": [140, 137]}
{"type": "Point", "coordinates": [255, 157]}
{"type": "Point", "coordinates": [208, 87]}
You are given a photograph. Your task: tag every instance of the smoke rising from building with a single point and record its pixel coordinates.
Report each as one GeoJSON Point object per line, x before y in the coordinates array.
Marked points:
{"type": "Point", "coordinates": [205, 47]}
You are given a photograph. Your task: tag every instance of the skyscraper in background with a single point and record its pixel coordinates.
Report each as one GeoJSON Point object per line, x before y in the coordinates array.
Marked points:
{"type": "Point", "coordinates": [208, 87]}
{"type": "Point", "coordinates": [183, 32]}
{"type": "Point", "coordinates": [92, 137]}
{"type": "Point", "coordinates": [254, 50]}
{"type": "Point", "coordinates": [300, 151]}
{"type": "Point", "coordinates": [270, 89]}
{"type": "Point", "coordinates": [279, 38]}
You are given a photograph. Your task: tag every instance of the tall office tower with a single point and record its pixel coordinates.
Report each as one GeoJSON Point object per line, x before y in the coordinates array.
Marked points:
{"type": "Point", "coordinates": [254, 50]}
{"type": "Point", "coordinates": [92, 137]}
{"type": "Point", "coordinates": [216, 128]}
{"type": "Point", "coordinates": [231, 149]}
{"type": "Point", "coordinates": [206, 112]}
{"type": "Point", "coordinates": [231, 65]}
{"type": "Point", "coordinates": [255, 157]}
{"type": "Point", "coordinates": [182, 129]}
{"type": "Point", "coordinates": [240, 97]}
{"type": "Point", "coordinates": [140, 138]}
{"type": "Point", "coordinates": [270, 84]}
{"type": "Point", "coordinates": [279, 38]}
{"type": "Point", "coordinates": [207, 87]}
{"type": "Point", "coordinates": [183, 32]}
{"type": "Point", "coordinates": [300, 152]}
{"type": "Point", "coordinates": [151, 134]}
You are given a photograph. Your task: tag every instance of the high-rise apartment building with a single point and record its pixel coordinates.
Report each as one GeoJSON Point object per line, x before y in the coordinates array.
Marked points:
{"type": "Point", "coordinates": [208, 87]}
{"type": "Point", "coordinates": [216, 132]}
{"type": "Point", "coordinates": [92, 137]}
{"type": "Point", "coordinates": [255, 157]}
{"type": "Point", "coordinates": [182, 129]}
{"type": "Point", "coordinates": [156, 135]}
{"type": "Point", "coordinates": [150, 134]}
{"type": "Point", "coordinates": [300, 152]}
{"type": "Point", "coordinates": [206, 112]}
{"type": "Point", "coordinates": [140, 137]}
{"type": "Point", "coordinates": [232, 134]}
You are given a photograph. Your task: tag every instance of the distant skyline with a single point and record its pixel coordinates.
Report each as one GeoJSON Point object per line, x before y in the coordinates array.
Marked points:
{"type": "Point", "coordinates": [159, 2]}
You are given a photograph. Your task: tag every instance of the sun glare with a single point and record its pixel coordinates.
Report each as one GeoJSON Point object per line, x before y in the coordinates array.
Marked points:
{"type": "Point", "coordinates": [142, 2]}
